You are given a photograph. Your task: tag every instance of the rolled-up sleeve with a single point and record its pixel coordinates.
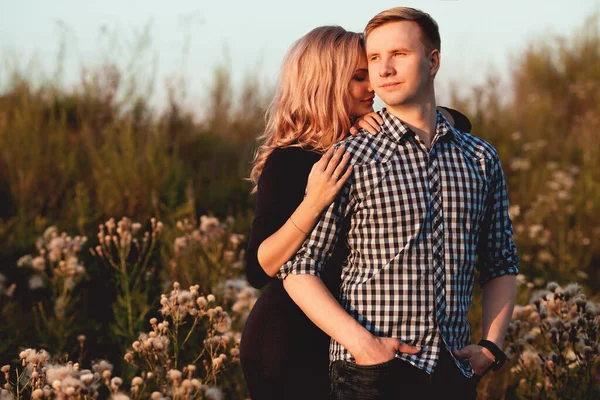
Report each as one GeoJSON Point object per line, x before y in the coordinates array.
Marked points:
{"type": "Point", "coordinates": [320, 242]}
{"type": "Point", "coordinates": [497, 252]}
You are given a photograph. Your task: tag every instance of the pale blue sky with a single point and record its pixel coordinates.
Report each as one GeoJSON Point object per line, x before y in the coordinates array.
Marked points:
{"type": "Point", "coordinates": [478, 36]}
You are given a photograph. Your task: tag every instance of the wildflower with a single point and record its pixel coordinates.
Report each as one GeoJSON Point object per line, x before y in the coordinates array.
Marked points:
{"type": "Point", "coordinates": [217, 362]}
{"type": "Point", "coordinates": [25, 261]}
{"type": "Point", "coordinates": [102, 366]}
{"type": "Point", "coordinates": [39, 264]}
{"type": "Point", "coordinates": [210, 298]}
{"type": "Point", "coordinates": [37, 394]}
{"type": "Point", "coordinates": [186, 384]}
{"type": "Point", "coordinates": [534, 230]}
{"type": "Point", "coordinates": [137, 381]}
{"type": "Point", "coordinates": [514, 211]}
{"type": "Point", "coordinates": [520, 164]}
{"type": "Point", "coordinates": [5, 368]}
{"type": "Point", "coordinates": [116, 383]}
{"type": "Point", "coordinates": [184, 297]}
{"type": "Point", "coordinates": [552, 286]}
{"type": "Point", "coordinates": [174, 375]}
{"type": "Point", "coordinates": [87, 378]}
{"type": "Point", "coordinates": [191, 369]}
{"type": "Point", "coordinates": [214, 394]}
{"type": "Point", "coordinates": [208, 223]}
{"type": "Point", "coordinates": [223, 324]}
{"type": "Point", "coordinates": [530, 359]}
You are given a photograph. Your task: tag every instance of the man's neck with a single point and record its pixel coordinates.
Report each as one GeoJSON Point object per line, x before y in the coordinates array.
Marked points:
{"type": "Point", "coordinates": [421, 118]}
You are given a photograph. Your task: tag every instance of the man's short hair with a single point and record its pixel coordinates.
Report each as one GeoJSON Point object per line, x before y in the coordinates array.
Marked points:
{"type": "Point", "coordinates": [430, 33]}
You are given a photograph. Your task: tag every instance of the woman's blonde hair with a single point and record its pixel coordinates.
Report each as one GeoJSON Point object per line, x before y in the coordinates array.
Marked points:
{"type": "Point", "coordinates": [312, 103]}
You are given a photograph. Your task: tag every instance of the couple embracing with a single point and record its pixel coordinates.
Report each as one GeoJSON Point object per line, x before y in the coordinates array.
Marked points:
{"type": "Point", "coordinates": [368, 243]}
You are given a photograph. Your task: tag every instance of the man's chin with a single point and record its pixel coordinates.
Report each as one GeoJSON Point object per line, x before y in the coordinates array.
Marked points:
{"type": "Point", "coordinates": [392, 101]}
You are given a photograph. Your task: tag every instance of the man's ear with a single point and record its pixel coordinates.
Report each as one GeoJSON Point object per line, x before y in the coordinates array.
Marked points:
{"type": "Point", "coordinates": [434, 63]}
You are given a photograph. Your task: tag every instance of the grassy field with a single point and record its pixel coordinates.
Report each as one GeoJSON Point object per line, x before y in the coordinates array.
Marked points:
{"type": "Point", "coordinates": [155, 202]}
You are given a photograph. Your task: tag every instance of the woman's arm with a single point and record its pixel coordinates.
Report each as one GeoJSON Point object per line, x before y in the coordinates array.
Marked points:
{"type": "Point", "coordinates": [277, 233]}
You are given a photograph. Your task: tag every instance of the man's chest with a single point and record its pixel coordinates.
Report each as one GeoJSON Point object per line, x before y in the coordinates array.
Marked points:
{"type": "Point", "coordinates": [402, 194]}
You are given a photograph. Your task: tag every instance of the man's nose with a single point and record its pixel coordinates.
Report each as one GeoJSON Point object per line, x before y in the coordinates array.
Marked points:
{"type": "Point", "coordinates": [386, 69]}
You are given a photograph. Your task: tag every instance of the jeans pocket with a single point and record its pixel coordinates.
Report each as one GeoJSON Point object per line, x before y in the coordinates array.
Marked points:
{"type": "Point", "coordinates": [383, 365]}
{"type": "Point", "coordinates": [351, 381]}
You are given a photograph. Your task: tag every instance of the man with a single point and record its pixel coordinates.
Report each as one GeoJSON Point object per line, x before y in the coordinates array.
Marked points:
{"type": "Point", "coordinates": [424, 201]}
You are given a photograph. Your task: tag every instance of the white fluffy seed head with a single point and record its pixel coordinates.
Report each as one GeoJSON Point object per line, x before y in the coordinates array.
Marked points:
{"type": "Point", "coordinates": [137, 381]}
{"type": "Point", "coordinates": [116, 381]}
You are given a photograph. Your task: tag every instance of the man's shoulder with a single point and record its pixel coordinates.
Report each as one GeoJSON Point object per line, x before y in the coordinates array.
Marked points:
{"type": "Point", "coordinates": [476, 147]}
{"type": "Point", "coordinates": [366, 148]}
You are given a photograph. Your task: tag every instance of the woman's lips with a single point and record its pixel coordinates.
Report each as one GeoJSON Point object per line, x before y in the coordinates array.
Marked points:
{"type": "Point", "coordinates": [368, 101]}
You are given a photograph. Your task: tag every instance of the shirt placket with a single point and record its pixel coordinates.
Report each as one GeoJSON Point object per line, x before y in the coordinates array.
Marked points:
{"type": "Point", "coordinates": [436, 227]}
{"type": "Point", "coordinates": [437, 234]}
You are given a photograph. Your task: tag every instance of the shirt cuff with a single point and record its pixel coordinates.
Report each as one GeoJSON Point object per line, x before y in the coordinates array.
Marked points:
{"type": "Point", "coordinates": [493, 270]}
{"type": "Point", "coordinates": [300, 267]}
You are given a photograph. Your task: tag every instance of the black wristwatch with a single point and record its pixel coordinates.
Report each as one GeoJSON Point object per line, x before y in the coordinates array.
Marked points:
{"type": "Point", "coordinates": [499, 355]}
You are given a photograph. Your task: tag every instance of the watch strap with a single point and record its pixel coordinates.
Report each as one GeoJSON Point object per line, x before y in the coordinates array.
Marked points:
{"type": "Point", "coordinates": [499, 355]}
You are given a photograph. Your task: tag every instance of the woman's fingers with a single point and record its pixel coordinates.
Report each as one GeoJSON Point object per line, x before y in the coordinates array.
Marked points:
{"type": "Point", "coordinates": [341, 167]}
{"type": "Point", "coordinates": [334, 160]}
{"type": "Point", "coordinates": [371, 122]}
{"type": "Point", "coordinates": [375, 116]}
{"type": "Point", "coordinates": [343, 178]}
{"type": "Point", "coordinates": [368, 125]}
{"type": "Point", "coordinates": [324, 161]}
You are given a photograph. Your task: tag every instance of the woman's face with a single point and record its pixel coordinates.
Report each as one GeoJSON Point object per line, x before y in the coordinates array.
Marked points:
{"type": "Point", "coordinates": [360, 91]}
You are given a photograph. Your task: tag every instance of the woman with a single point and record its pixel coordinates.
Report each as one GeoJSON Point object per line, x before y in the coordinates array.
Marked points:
{"type": "Point", "coordinates": [323, 85]}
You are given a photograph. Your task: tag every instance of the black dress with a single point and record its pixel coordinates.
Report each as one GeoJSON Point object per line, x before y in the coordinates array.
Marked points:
{"type": "Point", "coordinates": [284, 356]}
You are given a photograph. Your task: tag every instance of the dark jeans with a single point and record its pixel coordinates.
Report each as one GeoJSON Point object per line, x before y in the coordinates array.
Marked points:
{"type": "Point", "coordinates": [398, 379]}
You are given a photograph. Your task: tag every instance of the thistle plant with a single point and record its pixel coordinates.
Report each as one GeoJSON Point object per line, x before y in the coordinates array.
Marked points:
{"type": "Point", "coordinates": [40, 377]}
{"type": "Point", "coordinates": [208, 252]}
{"type": "Point", "coordinates": [165, 363]}
{"type": "Point", "coordinates": [128, 250]}
{"type": "Point", "coordinates": [160, 353]}
{"type": "Point", "coordinates": [554, 345]}
{"type": "Point", "coordinates": [56, 266]}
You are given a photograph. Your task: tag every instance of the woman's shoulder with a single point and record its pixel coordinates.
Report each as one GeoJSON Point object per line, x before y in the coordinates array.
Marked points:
{"type": "Point", "coordinates": [293, 157]}
{"type": "Point", "coordinates": [293, 152]}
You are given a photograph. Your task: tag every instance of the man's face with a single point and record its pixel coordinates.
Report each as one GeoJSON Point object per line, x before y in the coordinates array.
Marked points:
{"type": "Point", "coordinates": [399, 68]}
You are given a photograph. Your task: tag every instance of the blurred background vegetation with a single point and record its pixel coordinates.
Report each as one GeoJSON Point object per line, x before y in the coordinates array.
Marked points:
{"type": "Point", "coordinates": [73, 157]}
